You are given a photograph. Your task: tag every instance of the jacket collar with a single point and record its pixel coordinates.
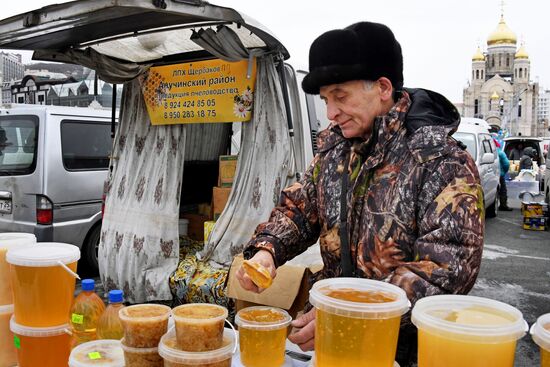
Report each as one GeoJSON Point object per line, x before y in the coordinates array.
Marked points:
{"type": "Point", "coordinates": [385, 129]}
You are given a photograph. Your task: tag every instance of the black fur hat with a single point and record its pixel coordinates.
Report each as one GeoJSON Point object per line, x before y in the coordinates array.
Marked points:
{"type": "Point", "coordinates": [362, 51]}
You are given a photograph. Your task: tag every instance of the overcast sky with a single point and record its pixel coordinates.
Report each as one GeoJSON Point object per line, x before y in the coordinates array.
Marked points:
{"type": "Point", "coordinates": [438, 37]}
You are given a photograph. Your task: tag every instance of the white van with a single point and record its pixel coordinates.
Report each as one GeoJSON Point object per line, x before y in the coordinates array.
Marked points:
{"type": "Point", "coordinates": [474, 133]}
{"type": "Point", "coordinates": [53, 162]}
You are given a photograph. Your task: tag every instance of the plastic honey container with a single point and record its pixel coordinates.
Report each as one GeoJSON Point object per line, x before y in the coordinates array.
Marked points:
{"type": "Point", "coordinates": [540, 331]}
{"type": "Point", "coordinates": [357, 321]}
{"type": "Point", "coordinates": [199, 326]}
{"type": "Point", "coordinates": [8, 355]}
{"type": "Point", "coordinates": [262, 336]}
{"type": "Point", "coordinates": [44, 347]}
{"type": "Point", "coordinates": [175, 357]}
{"type": "Point", "coordinates": [10, 241]}
{"type": "Point", "coordinates": [141, 357]}
{"type": "Point", "coordinates": [457, 331]}
{"type": "Point", "coordinates": [43, 281]}
{"type": "Point", "coordinates": [144, 324]}
{"type": "Point", "coordinates": [104, 353]}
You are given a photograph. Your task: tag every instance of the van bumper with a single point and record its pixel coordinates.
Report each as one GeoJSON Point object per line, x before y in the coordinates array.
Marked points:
{"type": "Point", "coordinates": [43, 233]}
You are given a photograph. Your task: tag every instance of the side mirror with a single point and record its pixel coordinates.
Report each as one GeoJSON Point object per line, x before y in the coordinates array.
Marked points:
{"type": "Point", "coordinates": [487, 158]}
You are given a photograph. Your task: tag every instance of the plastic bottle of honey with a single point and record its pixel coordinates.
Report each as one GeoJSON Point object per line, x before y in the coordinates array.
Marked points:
{"type": "Point", "coordinates": [85, 312]}
{"type": "Point", "coordinates": [109, 325]}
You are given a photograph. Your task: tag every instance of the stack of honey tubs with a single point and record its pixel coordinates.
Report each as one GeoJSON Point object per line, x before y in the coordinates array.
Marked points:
{"type": "Point", "coordinates": [8, 355]}
{"type": "Point", "coordinates": [43, 283]}
{"type": "Point", "coordinates": [199, 338]}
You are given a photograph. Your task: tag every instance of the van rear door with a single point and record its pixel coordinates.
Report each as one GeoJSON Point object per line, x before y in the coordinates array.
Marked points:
{"type": "Point", "coordinates": [20, 170]}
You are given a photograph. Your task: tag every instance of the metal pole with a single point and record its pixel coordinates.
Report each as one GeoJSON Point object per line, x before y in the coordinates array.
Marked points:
{"type": "Point", "coordinates": [113, 113]}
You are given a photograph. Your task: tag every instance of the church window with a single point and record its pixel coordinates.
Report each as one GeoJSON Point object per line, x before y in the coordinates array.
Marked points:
{"type": "Point", "coordinates": [521, 72]}
{"type": "Point", "coordinates": [508, 60]}
{"type": "Point", "coordinates": [493, 61]}
{"type": "Point", "coordinates": [477, 74]}
{"type": "Point", "coordinates": [481, 74]}
{"type": "Point", "coordinates": [476, 107]}
{"type": "Point", "coordinates": [490, 104]}
{"type": "Point", "coordinates": [499, 60]}
{"type": "Point", "coordinates": [515, 73]}
{"type": "Point", "coordinates": [473, 74]}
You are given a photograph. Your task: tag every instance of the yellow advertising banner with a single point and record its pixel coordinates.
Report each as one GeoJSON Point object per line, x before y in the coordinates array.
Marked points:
{"type": "Point", "coordinates": [199, 92]}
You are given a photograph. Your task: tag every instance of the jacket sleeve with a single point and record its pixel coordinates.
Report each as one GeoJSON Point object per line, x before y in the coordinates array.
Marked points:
{"type": "Point", "coordinates": [293, 225]}
{"type": "Point", "coordinates": [504, 162]}
{"type": "Point", "coordinates": [447, 252]}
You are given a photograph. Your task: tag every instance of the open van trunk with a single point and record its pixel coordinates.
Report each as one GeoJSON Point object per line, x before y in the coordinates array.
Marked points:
{"type": "Point", "coordinates": [159, 172]}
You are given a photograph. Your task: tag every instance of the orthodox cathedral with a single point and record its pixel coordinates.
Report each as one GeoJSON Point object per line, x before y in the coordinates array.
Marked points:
{"type": "Point", "coordinates": [500, 90]}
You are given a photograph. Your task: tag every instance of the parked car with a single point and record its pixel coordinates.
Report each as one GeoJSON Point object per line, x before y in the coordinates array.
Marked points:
{"type": "Point", "coordinates": [515, 144]}
{"type": "Point", "coordinates": [474, 133]}
{"type": "Point", "coordinates": [53, 162]}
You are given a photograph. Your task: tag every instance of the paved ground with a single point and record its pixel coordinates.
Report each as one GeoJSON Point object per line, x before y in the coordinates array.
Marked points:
{"type": "Point", "coordinates": [515, 270]}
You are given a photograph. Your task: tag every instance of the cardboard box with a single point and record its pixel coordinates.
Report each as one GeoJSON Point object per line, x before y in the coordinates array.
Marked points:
{"type": "Point", "coordinates": [195, 227]}
{"type": "Point", "coordinates": [220, 195]}
{"type": "Point", "coordinates": [535, 223]}
{"type": "Point", "coordinates": [208, 226]}
{"type": "Point", "coordinates": [228, 166]}
{"type": "Point", "coordinates": [289, 291]}
{"type": "Point", "coordinates": [205, 209]}
{"type": "Point", "coordinates": [533, 210]}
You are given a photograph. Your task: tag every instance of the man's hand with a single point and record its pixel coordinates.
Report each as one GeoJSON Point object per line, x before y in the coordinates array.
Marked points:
{"type": "Point", "coordinates": [305, 337]}
{"type": "Point", "coordinates": [264, 258]}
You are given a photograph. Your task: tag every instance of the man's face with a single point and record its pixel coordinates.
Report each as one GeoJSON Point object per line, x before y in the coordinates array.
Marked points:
{"type": "Point", "coordinates": [353, 106]}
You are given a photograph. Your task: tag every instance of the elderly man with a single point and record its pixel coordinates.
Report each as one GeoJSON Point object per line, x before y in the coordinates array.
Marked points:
{"type": "Point", "coordinates": [390, 196]}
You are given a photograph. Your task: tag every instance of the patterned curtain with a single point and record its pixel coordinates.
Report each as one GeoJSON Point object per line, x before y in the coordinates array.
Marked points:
{"type": "Point", "coordinates": [139, 245]}
{"type": "Point", "coordinates": [265, 166]}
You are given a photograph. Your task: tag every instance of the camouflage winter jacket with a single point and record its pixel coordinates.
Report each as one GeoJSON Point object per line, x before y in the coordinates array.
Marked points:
{"type": "Point", "coordinates": [414, 203]}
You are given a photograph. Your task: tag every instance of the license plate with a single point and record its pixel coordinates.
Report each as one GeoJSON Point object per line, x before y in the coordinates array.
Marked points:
{"type": "Point", "coordinates": [5, 206]}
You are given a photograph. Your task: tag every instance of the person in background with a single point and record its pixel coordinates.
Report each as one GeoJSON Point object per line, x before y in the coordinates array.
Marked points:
{"type": "Point", "coordinates": [504, 167]}
{"type": "Point", "coordinates": [516, 153]}
{"type": "Point", "coordinates": [390, 195]}
{"type": "Point", "coordinates": [526, 160]}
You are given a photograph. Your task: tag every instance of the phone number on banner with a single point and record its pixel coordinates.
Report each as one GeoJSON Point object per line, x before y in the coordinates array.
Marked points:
{"type": "Point", "coordinates": [186, 114]}
{"type": "Point", "coordinates": [187, 104]}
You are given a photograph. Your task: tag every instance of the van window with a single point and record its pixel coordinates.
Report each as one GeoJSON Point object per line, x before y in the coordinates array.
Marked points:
{"type": "Point", "coordinates": [18, 143]}
{"type": "Point", "coordinates": [487, 146]}
{"type": "Point", "coordinates": [469, 140]}
{"type": "Point", "coordinates": [85, 145]}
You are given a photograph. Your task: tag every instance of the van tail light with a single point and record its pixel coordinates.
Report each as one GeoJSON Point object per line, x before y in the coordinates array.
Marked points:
{"type": "Point", "coordinates": [44, 210]}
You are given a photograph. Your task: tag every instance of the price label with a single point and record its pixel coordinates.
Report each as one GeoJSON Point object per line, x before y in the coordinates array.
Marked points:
{"type": "Point", "coordinates": [94, 355]}
{"type": "Point", "coordinates": [77, 319]}
{"type": "Point", "coordinates": [17, 342]}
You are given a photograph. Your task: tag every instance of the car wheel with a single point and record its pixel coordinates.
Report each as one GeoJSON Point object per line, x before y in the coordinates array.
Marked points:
{"type": "Point", "coordinates": [492, 210]}
{"type": "Point", "coordinates": [90, 249]}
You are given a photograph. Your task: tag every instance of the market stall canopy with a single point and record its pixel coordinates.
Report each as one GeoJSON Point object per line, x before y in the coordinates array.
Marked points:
{"type": "Point", "coordinates": [132, 31]}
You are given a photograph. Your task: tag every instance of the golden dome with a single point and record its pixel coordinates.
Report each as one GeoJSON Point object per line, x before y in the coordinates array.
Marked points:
{"type": "Point", "coordinates": [502, 34]}
{"type": "Point", "coordinates": [478, 56]}
{"type": "Point", "coordinates": [495, 96]}
{"type": "Point", "coordinates": [522, 54]}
